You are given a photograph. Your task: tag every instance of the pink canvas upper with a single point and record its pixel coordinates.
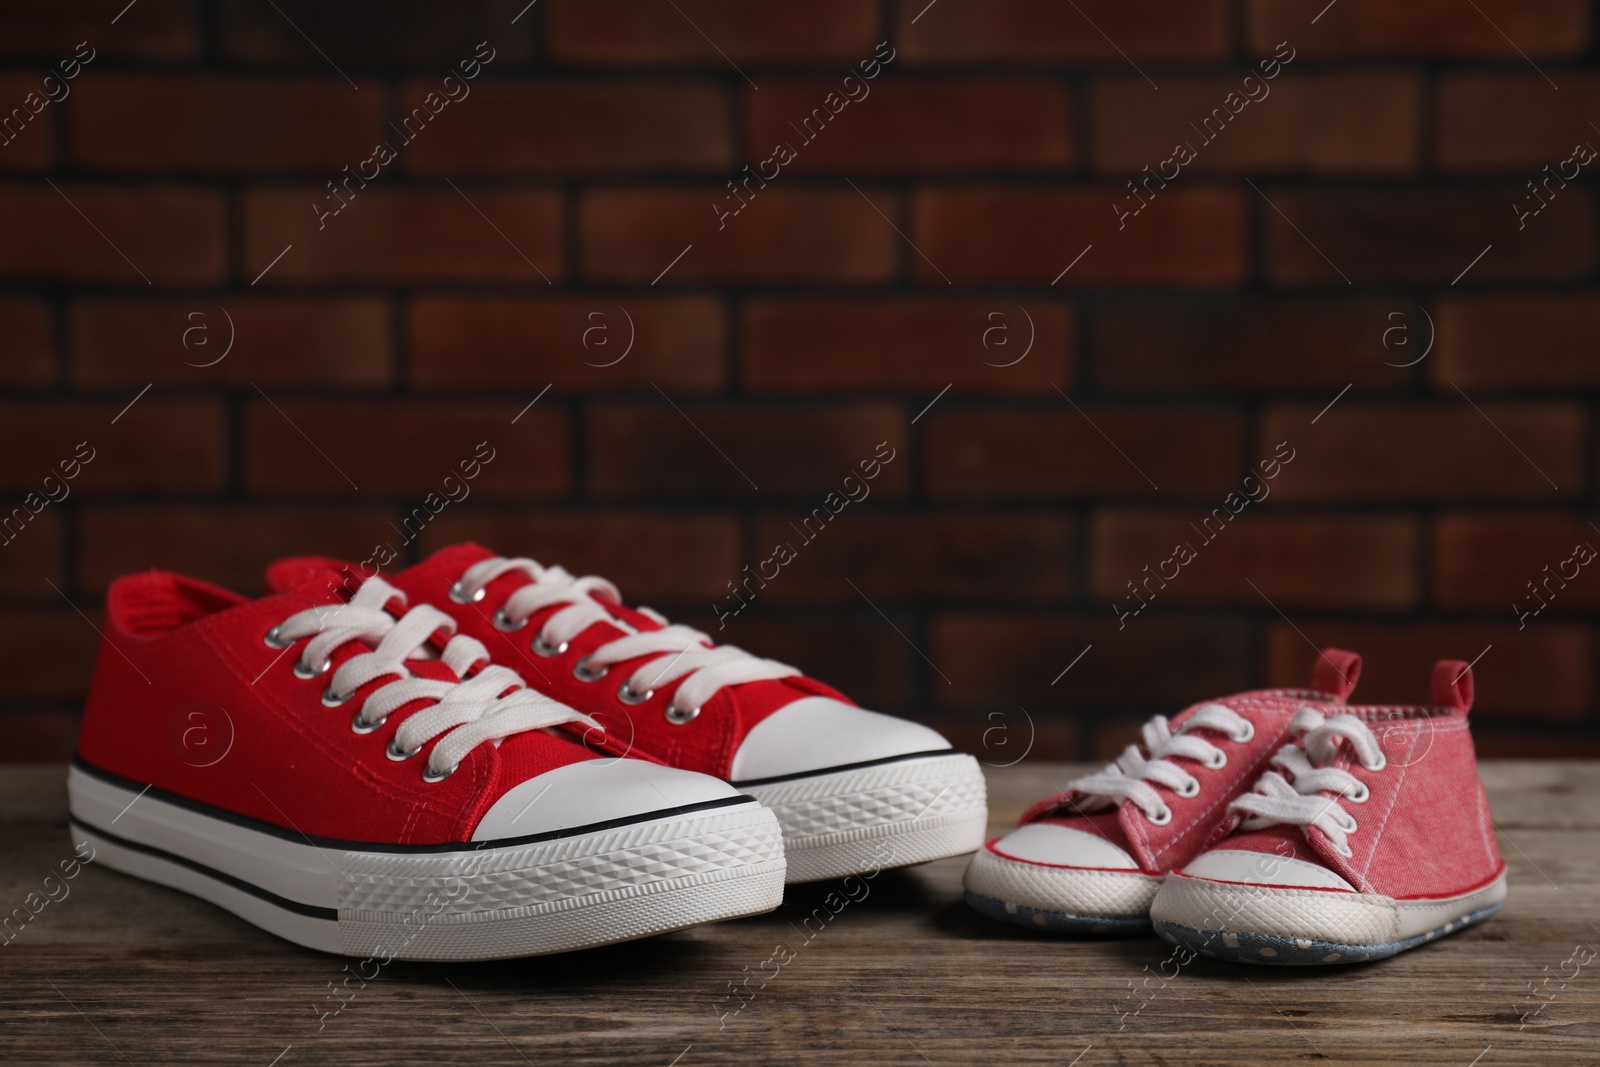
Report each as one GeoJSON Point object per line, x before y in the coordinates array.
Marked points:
{"type": "Point", "coordinates": [642, 731]}
{"type": "Point", "coordinates": [1425, 830]}
{"type": "Point", "coordinates": [1196, 820]}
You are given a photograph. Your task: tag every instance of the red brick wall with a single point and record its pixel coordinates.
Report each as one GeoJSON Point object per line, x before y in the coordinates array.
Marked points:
{"type": "Point", "coordinates": [1358, 211]}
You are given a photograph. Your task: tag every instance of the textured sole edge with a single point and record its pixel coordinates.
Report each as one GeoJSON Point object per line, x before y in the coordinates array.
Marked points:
{"type": "Point", "coordinates": [1068, 899]}
{"type": "Point", "coordinates": [895, 845]}
{"type": "Point", "coordinates": [669, 908]}
{"type": "Point", "coordinates": [1227, 920]}
{"type": "Point", "coordinates": [467, 905]}
{"type": "Point", "coordinates": [864, 844]}
{"type": "Point", "coordinates": [1057, 922]}
{"type": "Point", "coordinates": [1277, 950]}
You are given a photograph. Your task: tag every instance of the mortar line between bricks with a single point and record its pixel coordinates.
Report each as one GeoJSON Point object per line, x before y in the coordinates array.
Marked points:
{"type": "Point", "coordinates": [1513, 44]}
{"type": "Point", "coordinates": [313, 44]}
{"type": "Point", "coordinates": [713, 44]}
{"type": "Point", "coordinates": [1238, 35]}
{"type": "Point", "coordinates": [1113, 44]}
{"type": "Point", "coordinates": [99, 231]}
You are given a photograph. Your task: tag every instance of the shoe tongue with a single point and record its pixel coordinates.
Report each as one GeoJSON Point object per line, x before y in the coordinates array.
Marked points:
{"type": "Point", "coordinates": [322, 579]}
{"type": "Point", "coordinates": [1108, 824]}
{"type": "Point", "coordinates": [1280, 840]}
{"type": "Point", "coordinates": [445, 565]}
{"type": "Point", "coordinates": [328, 580]}
{"type": "Point", "coordinates": [434, 576]}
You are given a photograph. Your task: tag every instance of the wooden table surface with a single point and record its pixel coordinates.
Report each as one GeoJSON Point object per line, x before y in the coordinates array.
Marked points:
{"type": "Point", "coordinates": [121, 971]}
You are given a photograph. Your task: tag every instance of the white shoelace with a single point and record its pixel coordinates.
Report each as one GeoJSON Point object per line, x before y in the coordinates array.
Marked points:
{"type": "Point", "coordinates": [1277, 800]}
{"type": "Point", "coordinates": [705, 668]}
{"type": "Point", "coordinates": [489, 706]}
{"type": "Point", "coordinates": [1128, 778]}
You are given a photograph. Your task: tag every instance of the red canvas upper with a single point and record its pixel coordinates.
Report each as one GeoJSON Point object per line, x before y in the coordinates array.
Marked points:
{"type": "Point", "coordinates": [1196, 820]}
{"type": "Point", "coordinates": [1425, 829]}
{"type": "Point", "coordinates": [175, 648]}
{"type": "Point", "coordinates": [642, 731]}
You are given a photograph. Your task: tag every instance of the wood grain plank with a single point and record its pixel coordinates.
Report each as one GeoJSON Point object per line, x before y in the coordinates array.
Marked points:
{"type": "Point", "coordinates": [122, 971]}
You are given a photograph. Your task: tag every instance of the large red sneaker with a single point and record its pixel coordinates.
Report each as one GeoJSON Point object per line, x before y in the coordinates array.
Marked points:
{"type": "Point", "coordinates": [1090, 860]}
{"type": "Point", "coordinates": [854, 790]}
{"type": "Point", "coordinates": [1370, 836]}
{"type": "Point", "coordinates": [366, 783]}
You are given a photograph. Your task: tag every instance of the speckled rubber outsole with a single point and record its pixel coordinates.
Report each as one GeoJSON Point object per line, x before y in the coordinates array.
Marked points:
{"type": "Point", "coordinates": [1275, 949]}
{"type": "Point", "coordinates": [1056, 921]}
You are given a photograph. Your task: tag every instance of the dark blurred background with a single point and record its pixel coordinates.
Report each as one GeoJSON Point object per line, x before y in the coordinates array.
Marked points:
{"type": "Point", "coordinates": [1351, 267]}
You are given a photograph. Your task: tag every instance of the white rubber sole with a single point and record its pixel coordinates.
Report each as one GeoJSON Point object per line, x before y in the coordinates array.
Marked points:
{"type": "Point", "coordinates": [1072, 900]}
{"type": "Point", "coordinates": [1284, 925]}
{"type": "Point", "coordinates": [870, 817]}
{"type": "Point", "coordinates": [468, 901]}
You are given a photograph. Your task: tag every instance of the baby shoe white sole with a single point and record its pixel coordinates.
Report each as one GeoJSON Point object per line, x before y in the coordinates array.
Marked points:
{"type": "Point", "coordinates": [1070, 900]}
{"type": "Point", "coordinates": [1250, 923]}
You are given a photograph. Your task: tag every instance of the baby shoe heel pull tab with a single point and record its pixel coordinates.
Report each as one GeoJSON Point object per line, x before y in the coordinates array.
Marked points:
{"type": "Point", "coordinates": [1452, 684]}
{"type": "Point", "coordinates": [1336, 671]}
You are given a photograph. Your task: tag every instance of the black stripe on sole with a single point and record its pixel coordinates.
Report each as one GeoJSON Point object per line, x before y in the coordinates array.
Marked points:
{"type": "Point", "coordinates": [823, 772]}
{"type": "Point", "coordinates": [308, 910]}
{"type": "Point", "coordinates": [259, 826]}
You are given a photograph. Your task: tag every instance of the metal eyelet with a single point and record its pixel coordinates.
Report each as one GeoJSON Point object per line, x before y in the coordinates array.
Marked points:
{"type": "Point", "coordinates": [626, 694]}
{"type": "Point", "coordinates": [1160, 818]}
{"type": "Point", "coordinates": [542, 649]}
{"type": "Point", "coordinates": [397, 755]}
{"type": "Point", "coordinates": [304, 673]}
{"type": "Point", "coordinates": [1248, 733]}
{"type": "Point", "coordinates": [1346, 851]}
{"type": "Point", "coordinates": [1217, 762]}
{"type": "Point", "coordinates": [429, 777]}
{"type": "Point", "coordinates": [360, 727]}
{"type": "Point", "coordinates": [1359, 798]}
{"type": "Point", "coordinates": [580, 671]}
{"type": "Point", "coordinates": [1349, 825]}
{"type": "Point", "coordinates": [678, 716]}
{"type": "Point", "coordinates": [275, 639]}
{"type": "Point", "coordinates": [1191, 788]}
{"type": "Point", "coordinates": [1383, 761]}
{"type": "Point", "coordinates": [506, 625]}
{"type": "Point", "coordinates": [460, 597]}
{"type": "Point", "coordinates": [330, 699]}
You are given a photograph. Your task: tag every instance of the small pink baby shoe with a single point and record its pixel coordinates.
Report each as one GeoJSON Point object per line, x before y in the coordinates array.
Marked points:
{"type": "Point", "coordinates": [1370, 835]}
{"type": "Point", "coordinates": [1090, 860]}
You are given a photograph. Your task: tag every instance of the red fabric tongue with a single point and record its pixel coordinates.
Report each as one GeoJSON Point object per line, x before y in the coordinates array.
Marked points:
{"type": "Point", "coordinates": [327, 580]}
{"type": "Point", "coordinates": [1288, 842]}
{"type": "Point", "coordinates": [435, 575]}
{"type": "Point", "coordinates": [320, 578]}
{"type": "Point", "coordinates": [1106, 824]}
{"type": "Point", "coordinates": [445, 565]}
{"type": "Point", "coordinates": [324, 580]}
